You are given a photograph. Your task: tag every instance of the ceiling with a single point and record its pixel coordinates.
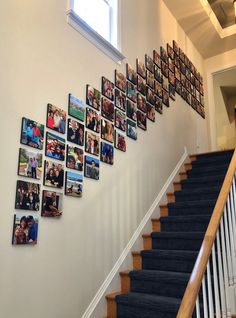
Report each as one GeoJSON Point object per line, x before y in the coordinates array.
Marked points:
{"type": "Point", "coordinates": [224, 11]}
{"type": "Point", "coordinates": [199, 22]}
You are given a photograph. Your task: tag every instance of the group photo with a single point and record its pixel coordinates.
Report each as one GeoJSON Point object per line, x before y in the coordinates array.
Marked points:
{"type": "Point", "coordinates": [30, 164]}
{"type": "Point", "coordinates": [25, 229]}
{"type": "Point", "coordinates": [32, 133]}
{"type": "Point", "coordinates": [55, 147]}
{"type": "Point", "coordinates": [53, 174]}
{"type": "Point", "coordinates": [56, 119]}
{"type": "Point", "coordinates": [27, 196]}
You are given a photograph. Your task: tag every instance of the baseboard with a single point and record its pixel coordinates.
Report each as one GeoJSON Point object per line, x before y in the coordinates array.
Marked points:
{"type": "Point", "coordinates": [102, 290]}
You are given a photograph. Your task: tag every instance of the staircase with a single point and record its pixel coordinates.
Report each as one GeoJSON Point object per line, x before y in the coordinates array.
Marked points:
{"type": "Point", "coordinates": [156, 285]}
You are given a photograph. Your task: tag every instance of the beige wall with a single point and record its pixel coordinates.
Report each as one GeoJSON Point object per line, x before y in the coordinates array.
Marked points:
{"type": "Point", "coordinates": [42, 60]}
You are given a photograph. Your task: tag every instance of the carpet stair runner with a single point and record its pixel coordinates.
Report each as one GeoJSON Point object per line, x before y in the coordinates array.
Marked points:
{"type": "Point", "coordinates": [154, 289]}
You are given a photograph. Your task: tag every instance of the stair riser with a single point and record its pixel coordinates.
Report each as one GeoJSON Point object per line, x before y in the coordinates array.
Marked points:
{"type": "Point", "coordinates": [190, 211]}
{"type": "Point", "coordinates": [124, 311]}
{"type": "Point", "coordinates": [184, 227]}
{"type": "Point", "coordinates": [215, 157]}
{"type": "Point", "coordinates": [204, 173]}
{"type": "Point", "coordinates": [182, 266]}
{"type": "Point", "coordinates": [182, 197]}
{"type": "Point", "coordinates": [177, 244]}
{"type": "Point", "coordinates": [210, 162]}
{"type": "Point", "coordinates": [197, 185]}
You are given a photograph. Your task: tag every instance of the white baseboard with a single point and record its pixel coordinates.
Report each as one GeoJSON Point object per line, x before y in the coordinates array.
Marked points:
{"type": "Point", "coordinates": [102, 290]}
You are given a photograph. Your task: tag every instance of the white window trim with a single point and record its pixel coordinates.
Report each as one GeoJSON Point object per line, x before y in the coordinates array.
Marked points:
{"type": "Point", "coordinates": [90, 34]}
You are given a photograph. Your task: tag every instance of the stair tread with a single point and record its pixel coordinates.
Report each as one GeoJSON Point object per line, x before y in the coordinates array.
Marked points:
{"type": "Point", "coordinates": [169, 254]}
{"type": "Point", "coordinates": [189, 235]}
{"type": "Point", "coordinates": [204, 179]}
{"type": "Point", "coordinates": [193, 203]}
{"type": "Point", "coordinates": [186, 218]}
{"type": "Point", "coordinates": [157, 275]}
{"type": "Point", "coordinates": [199, 190]}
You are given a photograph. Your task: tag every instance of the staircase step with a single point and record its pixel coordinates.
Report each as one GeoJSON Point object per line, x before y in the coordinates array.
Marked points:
{"type": "Point", "coordinates": [190, 241]}
{"type": "Point", "coordinates": [203, 182]}
{"type": "Point", "coordinates": [192, 223]}
{"type": "Point", "coordinates": [202, 207]}
{"type": "Point", "coordinates": [169, 260]}
{"type": "Point", "coordinates": [215, 155]}
{"type": "Point", "coordinates": [211, 161]}
{"type": "Point", "coordinates": [140, 305]}
{"type": "Point", "coordinates": [197, 194]}
{"type": "Point", "coordinates": [215, 170]}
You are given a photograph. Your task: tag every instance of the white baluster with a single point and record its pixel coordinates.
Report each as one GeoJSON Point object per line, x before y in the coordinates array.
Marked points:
{"type": "Point", "coordinates": [228, 252]}
{"type": "Point", "coordinates": [198, 308]}
{"type": "Point", "coordinates": [216, 285]}
{"type": "Point", "coordinates": [209, 288]}
{"type": "Point", "coordinates": [205, 304]}
{"type": "Point", "coordinates": [231, 238]}
{"type": "Point", "coordinates": [233, 197]}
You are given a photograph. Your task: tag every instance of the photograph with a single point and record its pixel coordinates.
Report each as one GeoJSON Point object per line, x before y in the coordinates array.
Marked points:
{"type": "Point", "coordinates": [51, 204]}
{"type": "Point", "coordinates": [182, 68]}
{"type": "Point", "coordinates": [32, 133]}
{"type": "Point", "coordinates": [188, 74]}
{"type": "Point", "coordinates": [171, 64]}
{"type": "Point", "coordinates": [25, 229]}
{"type": "Point", "coordinates": [53, 174]}
{"type": "Point", "coordinates": [107, 131]}
{"type": "Point", "coordinates": [131, 129]}
{"type": "Point", "coordinates": [107, 88]}
{"type": "Point", "coordinates": [178, 87]}
{"type": "Point", "coordinates": [177, 73]}
{"type": "Point", "coordinates": [183, 93]}
{"type": "Point", "coordinates": [175, 47]}
{"type": "Point", "coordinates": [93, 120]}
{"type": "Point", "coordinates": [93, 97]}
{"type": "Point", "coordinates": [91, 168]}
{"type": "Point", "coordinates": [141, 120]}
{"type": "Point", "coordinates": [172, 92]}
{"type": "Point", "coordinates": [75, 158]}
{"type": "Point", "coordinates": [158, 89]}
{"type": "Point", "coordinates": [164, 69]}
{"type": "Point", "coordinates": [157, 58]}
{"type": "Point", "coordinates": [150, 79]}
{"type": "Point", "coordinates": [183, 80]}
{"type": "Point", "coordinates": [120, 100]}
{"type": "Point", "coordinates": [177, 62]}
{"type": "Point", "coordinates": [107, 109]}
{"type": "Point", "coordinates": [141, 70]}
{"type": "Point", "coordinates": [202, 100]}
{"type": "Point", "coordinates": [188, 98]}
{"type": "Point", "coordinates": [172, 78]}
{"type": "Point", "coordinates": [149, 63]}
{"type": "Point", "coordinates": [74, 184]}
{"type": "Point", "coordinates": [76, 107]}
{"type": "Point", "coordinates": [120, 120]}
{"type": "Point", "coordinates": [75, 132]}
{"type": "Point", "coordinates": [165, 99]}
{"type": "Point", "coordinates": [141, 87]}
{"type": "Point", "coordinates": [56, 118]}
{"type": "Point", "coordinates": [170, 51]}
{"type": "Point", "coordinates": [131, 111]}
{"type": "Point", "coordinates": [120, 80]}
{"type": "Point", "coordinates": [27, 196]}
{"type": "Point", "coordinates": [92, 143]}
{"type": "Point", "coordinates": [188, 85]}
{"type": "Point", "coordinates": [164, 55]}
{"type": "Point", "coordinates": [131, 92]}
{"type": "Point", "coordinates": [141, 103]}
{"type": "Point", "coordinates": [181, 55]}
{"type": "Point", "coordinates": [165, 83]}
{"type": "Point", "coordinates": [55, 147]}
{"type": "Point", "coordinates": [150, 96]}
{"type": "Point", "coordinates": [158, 74]}
{"type": "Point", "coordinates": [151, 112]}
{"type": "Point", "coordinates": [107, 153]}
{"type": "Point", "coordinates": [30, 164]}
{"type": "Point", "coordinates": [158, 105]}
{"type": "Point", "coordinates": [131, 74]}
{"type": "Point", "coordinates": [120, 142]}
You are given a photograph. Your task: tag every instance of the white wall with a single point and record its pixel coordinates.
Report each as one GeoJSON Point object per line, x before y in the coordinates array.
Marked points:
{"type": "Point", "coordinates": [42, 60]}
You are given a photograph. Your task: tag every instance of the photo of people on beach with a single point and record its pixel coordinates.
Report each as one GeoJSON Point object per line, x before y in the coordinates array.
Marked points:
{"type": "Point", "coordinates": [56, 119]}
{"type": "Point", "coordinates": [131, 129]}
{"type": "Point", "coordinates": [120, 80]}
{"type": "Point", "coordinates": [107, 88]}
{"type": "Point", "coordinates": [74, 186]}
{"type": "Point", "coordinates": [107, 109]}
{"type": "Point", "coordinates": [75, 158]}
{"type": "Point", "coordinates": [55, 147]}
{"type": "Point", "coordinates": [92, 143]}
{"type": "Point", "coordinates": [30, 164]}
{"type": "Point", "coordinates": [141, 70]}
{"type": "Point", "coordinates": [107, 153]}
{"type": "Point", "coordinates": [27, 196]}
{"type": "Point", "coordinates": [32, 133]}
{"type": "Point", "coordinates": [51, 204]}
{"type": "Point", "coordinates": [93, 97]}
{"type": "Point", "coordinates": [131, 74]}
{"type": "Point", "coordinates": [75, 132]}
{"type": "Point", "coordinates": [91, 168]}
{"type": "Point", "coordinates": [120, 100]}
{"type": "Point", "coordinates": [93, 120]}
{"type": "Point", "coordinates": [120, 141]}
{"type": "Point", "coordinates": [25, 229]}
{"type": "Point", "coordinates": [53, 174]}
{"type": "Point", "coordinates": [76, 107]}
{"type": "Point", "coordinates": [107, 131]}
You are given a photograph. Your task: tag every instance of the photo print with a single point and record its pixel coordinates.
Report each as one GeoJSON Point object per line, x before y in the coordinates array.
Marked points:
{"type": "Point", "coordinates": [172, 92]}
{"type": "Point", "coordinates": [177, 73]}
{"type": "Point", "coordinates": [131, 92]}
{"type": "Point", "coordinates": [56, 118]}
{"type": "Point", "coordinates": [55, 147]}
{"type": "Point", "coordinates": [93, 97]}
{"type": "Point", "coordinates": [120, 100]}
{"type": "Point", "coordinates": [93, 120]}
{"type": "Point", "coordinates": [149, 63]}
{"type": "Point", "coordinates": [91, 168]}
{"type": "Point", "coordinates": [178, 87]}
{"type": "Point", "coordinates": [177, 62]}
{"type": "Point", "coordinates": [75, 132]}
{"type": "Point", "coordinates": [150, 96]}
{"type": "Point", "coordinates": [175, 47]}
{"type": "Point", "coordinates": [164, 69]}
{"type": "Point", "coordinates": [165, 84]}
{"type": "Point", "coordinates": [131, 129]}
{"type": "Point", "coordinates": [25, 229]}
{"type": "Point", "coordinates": [170, 51]}
{"type": "Point", "coordinates": [158, 89]}
{"type": "Point", "coordinates": [158, 105]}
{"type": "Point", "coordinates": [120, 141]}
{"type": "Point", "coordinates": [188, 74]}
{"type": "Point", "coordinates": [107, 131]}
{"type": "Point", "coordinates": [157, 58]}
{"type": "Point", "coordinates": [181, 55]}
{"type": "Point", "coordinates": [131, 110]}
{"type": "Point", "coordinates": [107, 109]}
{"type": "Point", "coordinates": [131, 74]}
{"type": "Point", "coordinates": [171, 78]}
{"type": "Point", "coordinates": [30, 164]}
{"type": "Point", "coordinates": [141, 70]}
{"type": "Point", "coordinates": [188, 98]}
{"type": "Point", "coordinates": [150, 79]}
{"type": "Point", "coordinates": [74, 184]}
{"type": "Point", "coordinates": [183, 80]}
{"type": "Point", "coordinates": [171, 65]}
{"type": "Point", "coordinates": [120, 80]}
{"type": "Point", "coordinates": [158, 74]}
{"type": "Point", "coordinates": [165, 99]}
{"type": "Point", "coordinates": [107, 153]}
{"type": "Point", "coordinates": [141, 103]}
{"type": "Point", "coordinates": [51, 204]}
{"type": "Point", "coordinates": [141, 87]}
{"type": "Point", "coordinates": [107, 88]}
{"type": "Point", "coordinates": [76, 107]}
{"type": "Point", "coordinates": [183, 93]}
{"type": "Point", "coordinates": [182, 68]}
{"type": "Point", "coordinates": [53, 174]}
{"type": "Point", "coordinates": [120, 120]}
{"type": "Point", "coordinates": [151, 112]}
{"type": "Point", "coordinates": [164, 55]}
{"type": "Point", "coordinates": [75, 158]}
{"type": "Point", "coordinates": [92, 143]}
{"type": "Point", "coordinates": [32, 133]}
{"type": "Point", "coordinates": [141, 120]}
{"type": "Point", "coordinates": [27, 196]}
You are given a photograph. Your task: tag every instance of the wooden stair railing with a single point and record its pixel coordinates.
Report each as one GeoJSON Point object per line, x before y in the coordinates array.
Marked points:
{"type": "Point", "coordinates": [224, 241]}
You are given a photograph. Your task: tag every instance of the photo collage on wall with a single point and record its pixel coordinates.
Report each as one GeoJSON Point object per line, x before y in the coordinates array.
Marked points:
{"type": "Point", "coordinates": [54, 158]}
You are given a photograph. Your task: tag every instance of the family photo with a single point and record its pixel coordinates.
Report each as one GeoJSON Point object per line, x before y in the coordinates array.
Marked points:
{"type": "Point", "coordinates": [56, 119]}
{"type": "Point", "coordinates": [75, 132]}
{"type": "Point", "coordinates": [141, 120]}
{"type": "Point", "coordinates": [93, 97]}
{"type": "Point", "coordinates": [53, 174]}
{"type": "Point", "coordinates": [131, 92]}
{"type": "Point", "coordinates": [25, 229]}
{"type": "Point", "coordinates": [151, 112]}
{"type": "Point", "coordinates": [75, 158]}
{"type": "Point", "coordinates": [27, 196]}
{"type": "Point", "coordinates": [91, 168]}
{"type": "Point", "coordinates": [131, 74]}
{"type": "Point", "coordinates": [32, 133]}
{"type": "Point", "coordinates": [51, 204]}
{"type": "Point", "coordinates": [120, 120]}
{"type": "Point", "coordinates": [30, 164]}
{"type": "Point", "coordinates": [120, 99]}
{"type": "Point", "coordinates": [149, 63]}
{"type": "Point", "coordinates": [92, 143]}
{"type": "Point", "coordinates": [93, 120]}
{"type": "Point", "coordinates": [120, 142]}
{"type": "Point", "coordinates": [107, 153]}
{"type": "Point", "coordinates": [76, 107]}
{"type": "Point", "coordinates": [131, 110]}
{"type": "Point", "coordinates": [141, 87]}
{"type": "Point", "coordinates": [107, 88]}
{"type": "Point", "coordinates": [107, 109]}
{"type": "Point", "coordinates": [55, 147]}
{"type": "Point", "coordinates": [74, 186]}
{"type": "Point", "coordinates": [107, 130]}
{"type": "Point", "coordinates": [120, 80]}
{"type": "Point", "coordinates": [141, 70]}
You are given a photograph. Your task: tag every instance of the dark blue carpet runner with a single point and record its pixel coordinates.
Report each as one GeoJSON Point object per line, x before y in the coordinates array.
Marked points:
{"type": "Point", "coordinates": [157, 289]}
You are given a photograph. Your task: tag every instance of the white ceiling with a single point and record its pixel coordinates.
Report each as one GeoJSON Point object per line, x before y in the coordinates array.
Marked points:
{"type": "Point", "coordinates": [202, 27]}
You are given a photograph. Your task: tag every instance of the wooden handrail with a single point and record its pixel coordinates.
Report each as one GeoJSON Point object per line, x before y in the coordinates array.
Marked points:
{"type": "Point", "coordinates": [189, 300]}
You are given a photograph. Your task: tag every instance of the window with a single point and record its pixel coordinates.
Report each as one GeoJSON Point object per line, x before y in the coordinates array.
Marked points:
{"type": "Point", "coordinates": [97, 20]}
